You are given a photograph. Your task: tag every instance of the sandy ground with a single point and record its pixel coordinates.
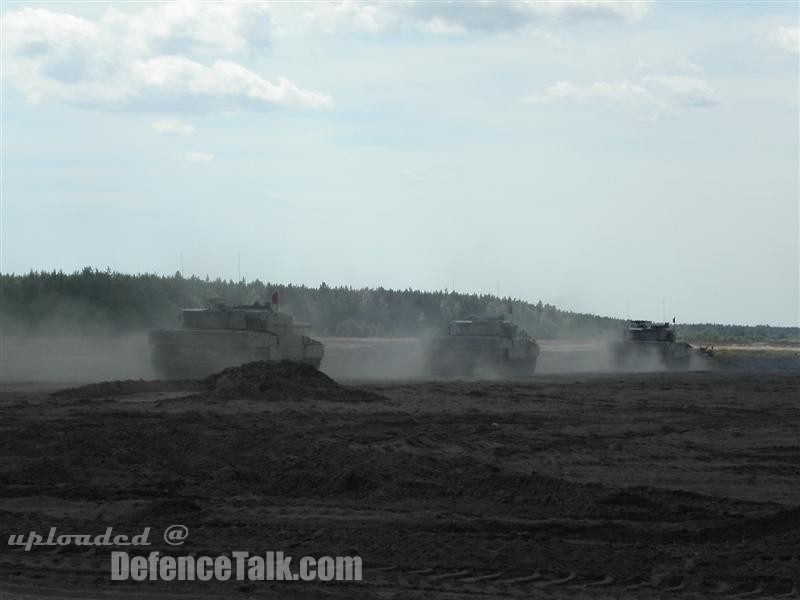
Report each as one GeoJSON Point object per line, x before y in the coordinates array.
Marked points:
{"type": "Point", "coordinates": [562, 485]}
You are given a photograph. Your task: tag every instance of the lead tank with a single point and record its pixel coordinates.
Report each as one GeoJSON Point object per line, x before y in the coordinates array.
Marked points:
{"type": "Point", "coordinates": [220, 336]}
{"type": "Point", "coordinates": [650, 346]}
{"type": "Point", "coordinates": [486, 347]}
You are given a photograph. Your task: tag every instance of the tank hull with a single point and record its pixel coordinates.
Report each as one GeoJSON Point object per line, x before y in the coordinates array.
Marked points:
{"type": "Point", "coordinates": [647, 356]}
{"type": "Point", "coordinates": [184, 353]}
{"type": "Point", "coordinates": [481, 356]}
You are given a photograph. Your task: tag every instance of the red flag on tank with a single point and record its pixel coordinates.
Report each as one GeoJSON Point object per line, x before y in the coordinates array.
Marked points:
{"type": "Point", "coordinates": [274, 297]}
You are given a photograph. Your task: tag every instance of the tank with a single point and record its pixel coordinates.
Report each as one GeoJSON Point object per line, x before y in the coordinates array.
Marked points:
{"type": "Point", "coordinates": [650, 346]}
{"type": "Point", "coordinates": [485, 347]}
{"type": "Point", "coordinates": [220, 336]}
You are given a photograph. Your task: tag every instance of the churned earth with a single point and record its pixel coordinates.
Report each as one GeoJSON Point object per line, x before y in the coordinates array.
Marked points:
{"type": "Point", "coordinates": [565, 485]}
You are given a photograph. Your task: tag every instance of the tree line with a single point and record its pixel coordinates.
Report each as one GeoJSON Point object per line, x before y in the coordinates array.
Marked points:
{"type": "Point", "coordinates": [100, 302]}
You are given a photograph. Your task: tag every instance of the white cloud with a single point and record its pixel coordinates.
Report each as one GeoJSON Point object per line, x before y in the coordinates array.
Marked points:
{"type": "Point", "coordinates": [157, 59]}
{"type": "Point", "coordinates": [172, 127]}
{"type": "Point", "coordinates": [787, 38]}
{"type": "Point", "coordinates": [459, 17]}
{"type": "Point", "coordinates": [195, 27]}
{"type": "Point", "coordinates": [178, 81]}
{"type": "Point", "coordinates": [199, 156]}
{"type": "Point", "coordinates": [684, 64]}
{"type": "Point", "coordinates": [440, 26]}
{"type": "Point", "coordinates": [660, 94]}
{"type": "Point", "coordinates": [682, 90]}
{"type": "Point", "coordinates": [622, 91]}
{"type": "Point", "coordinates": [361, 16]}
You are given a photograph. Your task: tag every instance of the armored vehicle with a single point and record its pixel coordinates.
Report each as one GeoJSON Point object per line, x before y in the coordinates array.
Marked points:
{"type": "Point", "coordinates": [650, 346]}
{"type": "Point", "coordinates": [486, 347]}
{"type": "Point", "coordinates": [220, 336]}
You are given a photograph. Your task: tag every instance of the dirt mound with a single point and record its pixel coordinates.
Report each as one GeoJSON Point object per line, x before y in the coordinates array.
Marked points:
{"type": "Point", "coordinates": [284, 380]}
{"type": "Point", "coordinates": [109, 389]}
{"type": "Point", "coordinates": [265, 380]}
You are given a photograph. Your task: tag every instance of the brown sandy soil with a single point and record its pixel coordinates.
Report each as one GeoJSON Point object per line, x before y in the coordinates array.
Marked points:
{"type": "Point", "coordinates": [654, 485]}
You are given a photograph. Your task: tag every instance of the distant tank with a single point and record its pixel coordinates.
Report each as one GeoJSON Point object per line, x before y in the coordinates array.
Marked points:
{"type": "Point", "coordinates": [648, 346]}
{"type": "Point", "coordinates": [482, 347]}
{"type": "Point", "coordinates": [220, 336]}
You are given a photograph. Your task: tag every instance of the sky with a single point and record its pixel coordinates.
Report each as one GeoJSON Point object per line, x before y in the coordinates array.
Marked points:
{"type": "Point", "coordinates": [629, 159]}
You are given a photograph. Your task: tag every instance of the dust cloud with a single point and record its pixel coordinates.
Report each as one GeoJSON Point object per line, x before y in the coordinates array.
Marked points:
{"type": "Point", "coordinates": [74, 359]}
{"type": "Point", "coordinates": [85, 359]}
{"type": "Point", "coordinates": [72, 343]}
{"type": "Point", "coordinates": [90, 358]}
{"type": "Point", "coordinates": [373, 358]}
{"type": "Point", "coordinates": [364, 358]}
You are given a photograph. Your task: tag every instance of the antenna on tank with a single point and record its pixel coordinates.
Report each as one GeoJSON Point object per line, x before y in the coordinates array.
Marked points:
{"type": "Point", "coordinates": [181, 264]}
